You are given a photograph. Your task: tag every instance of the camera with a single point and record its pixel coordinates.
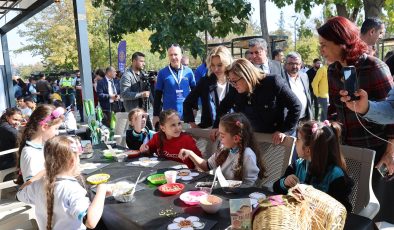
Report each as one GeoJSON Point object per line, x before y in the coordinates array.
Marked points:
{"type": "Point", "coordinates": [149, 77]}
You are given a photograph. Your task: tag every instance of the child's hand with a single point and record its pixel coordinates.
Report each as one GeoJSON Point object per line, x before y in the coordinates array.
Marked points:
{"type": "Point", "coordinates": [291, 181]}
{"type": "Point", "coordinates": [144, 148]}
{"type": "Point", "coordinates": [184, 153]}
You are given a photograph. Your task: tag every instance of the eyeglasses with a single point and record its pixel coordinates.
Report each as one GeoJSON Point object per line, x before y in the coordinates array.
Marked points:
{"type": "Point", "coordinates": [255, 52]}
{"type": "Point", "coordinates": [234, 83]}
{"type": "Point", "coordinates": [293, 63]}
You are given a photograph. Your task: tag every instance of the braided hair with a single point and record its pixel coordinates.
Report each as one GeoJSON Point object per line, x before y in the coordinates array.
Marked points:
{"type": "Point", "coordinates": [238, 124]}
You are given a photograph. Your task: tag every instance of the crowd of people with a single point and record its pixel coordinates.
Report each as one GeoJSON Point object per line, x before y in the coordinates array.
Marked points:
{"type": "Point", "coordinates": [235, 97]}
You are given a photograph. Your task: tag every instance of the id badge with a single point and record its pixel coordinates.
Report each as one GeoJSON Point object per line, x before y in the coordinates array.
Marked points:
{"type": "Point", "coordinates": [179, 95]}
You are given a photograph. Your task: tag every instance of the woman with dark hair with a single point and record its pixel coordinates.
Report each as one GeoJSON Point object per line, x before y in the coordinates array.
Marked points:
{"type": "Point", "coordinates": [211, 89]}
{"type": "Point", "coordinates": [341, 44]}
{"type": "Point", "coordinates": [264, 100]}
{"type": "Point", "coordinates": [9, 123]}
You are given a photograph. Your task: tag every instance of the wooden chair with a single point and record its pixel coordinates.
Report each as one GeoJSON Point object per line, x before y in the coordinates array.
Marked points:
{"type": "Point", "coordinates": [360, 164]}
{"type": "Point", "coordinates": [276, 158]}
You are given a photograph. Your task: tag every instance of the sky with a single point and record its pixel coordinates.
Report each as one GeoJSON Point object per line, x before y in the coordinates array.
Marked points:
{"type": "Point", "coordinates": [273, 15]}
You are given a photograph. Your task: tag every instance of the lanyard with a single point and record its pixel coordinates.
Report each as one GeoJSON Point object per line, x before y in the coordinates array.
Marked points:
{"type": "Point", "coordinates": [177, 80]}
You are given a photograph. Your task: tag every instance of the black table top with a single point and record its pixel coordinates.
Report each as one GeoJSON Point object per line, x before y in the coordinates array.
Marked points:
{"type": "Point", "coordinates": [144, 211]}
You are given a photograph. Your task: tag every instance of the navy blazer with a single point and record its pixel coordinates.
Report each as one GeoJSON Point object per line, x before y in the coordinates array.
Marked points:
{"type": "Point", "coordinates": [265, 106]}
{"type": "Point", "coordinates": [102, 92]}
{"type": "Point", "coordinates": [204, 89]}
{"type": "Point", "coordinates": [305, 82]}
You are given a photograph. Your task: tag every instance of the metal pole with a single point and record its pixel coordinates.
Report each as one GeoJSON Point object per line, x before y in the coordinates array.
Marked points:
{"type": "Point", "coordinates": [109, 44]}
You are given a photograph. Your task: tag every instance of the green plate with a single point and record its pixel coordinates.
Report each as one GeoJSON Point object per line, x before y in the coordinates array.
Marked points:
{"type": "Point", "coordinates": [157, 179]}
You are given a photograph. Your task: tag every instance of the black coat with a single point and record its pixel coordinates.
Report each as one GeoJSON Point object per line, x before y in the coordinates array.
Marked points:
{"type": "Point", "coordinates": [204, 90]}
{"type": "Point", "coordinates": [265, 107]}
{"type": "Point", "coordinates": [7, 141]}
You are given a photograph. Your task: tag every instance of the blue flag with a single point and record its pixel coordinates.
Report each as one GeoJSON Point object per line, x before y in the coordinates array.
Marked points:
{"type": "Point", "coordinates": [122, 56]}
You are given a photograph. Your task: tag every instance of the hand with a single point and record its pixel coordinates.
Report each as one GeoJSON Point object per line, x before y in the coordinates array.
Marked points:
{"type": "Point", "coordinates": [193, 125]}
{"type": "Point", "coordinates": [278, 137]}
{"type": "Point", "coordinates": [145, 94]}
{"type": "Point", "coordinates": [113, 97]}
{"type": "Point", "coordinates": [388, 158]}
{"type": "Point", "coordinates": [106, 188]}
{"type": "Point", "coordinates": [144, 148]}
{"type": "Point", "coordinates": [155, 120]}
{"type": "Point", "coordinates": [184, 154]}
{"type": "Point", "coordinates": [360, 105]}
{"type": "Point", "coordinates": [291, 181]}
{"type": "Point", "coordinates": [214, 134]}
{"type": "Point", "coordinates": [27, 183]}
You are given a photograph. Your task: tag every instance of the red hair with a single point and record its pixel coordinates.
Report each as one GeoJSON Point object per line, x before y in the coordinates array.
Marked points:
{"type": "Point", "coordinates": [343, 32]}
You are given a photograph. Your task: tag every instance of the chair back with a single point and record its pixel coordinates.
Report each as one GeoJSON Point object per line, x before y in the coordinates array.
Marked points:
{"type": "Point", "coordinates": [5, 172]}
{"type": "Point", "coordinates": [360, 164]}
{"type": "Point", "coordinates": [275, 158]}
{"type": "Point", "coordinates": [203, 141]}
{"type": "Point", "coordinates": [122, 124]}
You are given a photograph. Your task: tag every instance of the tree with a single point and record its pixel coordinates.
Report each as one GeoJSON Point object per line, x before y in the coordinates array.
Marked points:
{"type": "Point", "coordinates": [264, 25]}
{"type": "Point", "coordinates": [177, 21]}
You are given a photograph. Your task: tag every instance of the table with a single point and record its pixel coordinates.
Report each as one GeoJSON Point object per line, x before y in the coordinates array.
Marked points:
{"type": "Point", "coordinates": [143, 212]}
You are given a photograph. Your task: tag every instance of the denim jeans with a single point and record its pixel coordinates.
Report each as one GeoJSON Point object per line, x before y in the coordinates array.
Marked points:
{"type": "Point", "coordinates": [323, 102]}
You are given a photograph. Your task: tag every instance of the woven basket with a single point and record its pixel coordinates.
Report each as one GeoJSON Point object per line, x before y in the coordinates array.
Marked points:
{"type": "Point", "coordinates": [328, 213]}
{"type": "Point", "coordinates": [304, 208]}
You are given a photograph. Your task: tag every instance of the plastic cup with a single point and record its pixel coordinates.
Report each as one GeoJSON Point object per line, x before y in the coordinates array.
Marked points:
{"type": "Point", "coordinates": [170, 176]}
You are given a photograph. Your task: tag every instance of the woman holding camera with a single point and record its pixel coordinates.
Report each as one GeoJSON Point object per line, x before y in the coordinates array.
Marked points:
{"type": "Point", "coordinates": [340, 43]}
{"type": "Point", "coordinates": [211, 89]}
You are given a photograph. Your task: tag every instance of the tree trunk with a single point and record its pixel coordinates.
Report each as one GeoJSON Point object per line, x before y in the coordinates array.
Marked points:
{"type": "Point", "coordinates": [354, 14]}
{"type": "Point", "coordinates": [341, 10]}
{"type": "Point", "coordinates": [373, 8]}
{"type": "Point", "coordinates": [264, 25]}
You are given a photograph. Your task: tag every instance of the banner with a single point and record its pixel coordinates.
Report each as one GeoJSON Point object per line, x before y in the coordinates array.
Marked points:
{"type": "Point", "coordinates": [122, 56]}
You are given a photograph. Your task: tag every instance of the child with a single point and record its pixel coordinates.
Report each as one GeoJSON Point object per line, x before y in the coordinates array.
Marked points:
{"type": "Point", "coordinates": [43, 124]}
{"type": "Point", "coordinates": [138, 133]}
{"type": "Point", "coordinates": [320, 162]}
{"type": "Point", "coordinates": [170, 139]}
{"type": "Point", "coordinates": [60, 201]}
{"type": "Point", "coordinates": [239, 158]}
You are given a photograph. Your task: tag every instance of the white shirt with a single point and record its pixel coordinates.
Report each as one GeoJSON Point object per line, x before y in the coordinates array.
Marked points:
{"type": "Point", "coordinates": [32, 160]}
{"type": "Point", "coordinates": [298, 89]}
{"type": "Point", "coordinates": [70, 123]}
{"type": "Point", "coordinates": [26, 111]}
{"type": "Point", "coordinates": [110, 89]}
{"type": "Point", "coordinates": [70, 203]}
{"type": "Point", "coordinates": [221, 90]}
{"type": "Point", "coordinates": [249, 167]}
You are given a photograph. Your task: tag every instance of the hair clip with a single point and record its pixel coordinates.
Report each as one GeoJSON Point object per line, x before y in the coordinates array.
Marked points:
{"type": "Point", "coordinates": [326, 123]}
{"type": "Point", "coordinates": [55, 114]}
{"type": "Point", "coordinates": [238, 123]}
{"type": "Point", "coordinates": [314, 127]}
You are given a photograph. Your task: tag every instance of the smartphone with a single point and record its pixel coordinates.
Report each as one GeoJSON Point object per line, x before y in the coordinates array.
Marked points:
{"type": "Point", "coordinates": [383, 170]}
{"type": "Point", "coordinates": [351, 81]}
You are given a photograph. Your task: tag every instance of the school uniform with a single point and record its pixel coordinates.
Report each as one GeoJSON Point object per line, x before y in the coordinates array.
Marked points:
{"type": "Point", "coordinates": [70, 203]}
{"type": "Point", "coordinates": [32, 160]}
{"type": "Point", "coordinates": [250, 170]}
{"type": "Point", "coordinates": [134, 140]}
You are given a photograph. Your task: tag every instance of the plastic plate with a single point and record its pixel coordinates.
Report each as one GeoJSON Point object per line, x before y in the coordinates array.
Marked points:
{"type": "Point", "coordinates": [171, 189]}
{"type": "Point", "coordinates": [98, 178]}
{"type": "Point", "coordinates": [157, 179]}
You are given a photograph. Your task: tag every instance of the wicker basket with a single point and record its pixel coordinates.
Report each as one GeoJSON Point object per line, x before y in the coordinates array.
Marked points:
{"type": "Point", "coordinates": [328, 213]}
{"type": "Point", "coordinates": [304, 208]}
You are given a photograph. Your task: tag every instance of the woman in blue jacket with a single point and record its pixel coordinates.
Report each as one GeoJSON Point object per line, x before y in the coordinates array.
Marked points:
{"type": "Point", "coordinates": [211, 89]}
{"type": "Point", "coordinates": [266, 100]}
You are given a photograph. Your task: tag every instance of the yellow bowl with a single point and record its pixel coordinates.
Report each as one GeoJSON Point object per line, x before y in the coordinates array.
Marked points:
{"type": "Point", "coordinates": [98, 178]}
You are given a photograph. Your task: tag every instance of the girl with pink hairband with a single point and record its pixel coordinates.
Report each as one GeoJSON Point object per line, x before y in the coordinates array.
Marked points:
{"type": "Point", "coordinates": [320, 164]}
{"type": "Point", "coordinates": [43, 124]}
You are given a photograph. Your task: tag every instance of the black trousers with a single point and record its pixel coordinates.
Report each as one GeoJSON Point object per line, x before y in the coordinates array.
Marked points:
{"type": "Point", "coordinates": [114, 107]}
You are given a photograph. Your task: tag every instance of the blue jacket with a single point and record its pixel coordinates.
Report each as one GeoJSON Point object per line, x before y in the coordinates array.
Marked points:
{"type": "Point", "coordinates": [102, 92]}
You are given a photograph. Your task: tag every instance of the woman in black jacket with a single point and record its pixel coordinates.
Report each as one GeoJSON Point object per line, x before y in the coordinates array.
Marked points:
{"type": "Point", "coordinates": [266, 100]}
{"type": "Point", "coordinates": [211, 89]}
{"type": "Point", "coordinates": [9, 123]}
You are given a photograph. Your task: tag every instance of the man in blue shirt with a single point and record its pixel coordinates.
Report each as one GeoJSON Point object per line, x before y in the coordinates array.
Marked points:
{"type": "Point", "coordinates": [200, 72]}
{"type": "Point", "coordinates": [174, 83]}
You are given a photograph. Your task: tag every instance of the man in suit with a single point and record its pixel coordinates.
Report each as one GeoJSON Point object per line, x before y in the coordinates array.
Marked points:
{"type": "Point", "coordinates": [108, 90]}
{"type": "Point", "coordinates": [258, 56]}
{"type": "Point", "coordinates": [299, 84]}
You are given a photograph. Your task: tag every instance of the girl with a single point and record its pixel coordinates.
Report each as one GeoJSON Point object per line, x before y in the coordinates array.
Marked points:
{"type": "Point", "coordinates": [60, 201]}
{"type": "Point", "coordinates": [43, 124]}
{"type": "Point", "coordinates": [138, 133]}
{"type": "Point", "coordinates": [170, 139]}
{"type": "Point", "coordinates": [9, 124]}
{"type": "Point", "coordinates": [211, 89]}
{"type": "Point", "coordinates": [320, 162]}
{"type": "Point", "coordinates": [239, 158]}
